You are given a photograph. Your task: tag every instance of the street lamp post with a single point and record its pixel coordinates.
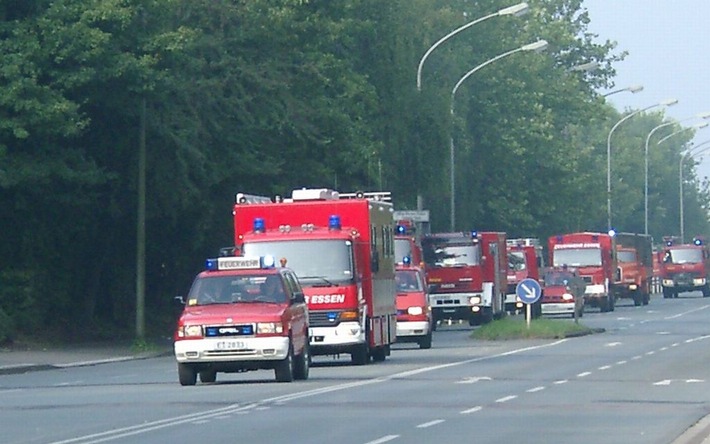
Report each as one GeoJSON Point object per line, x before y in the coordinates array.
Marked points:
{"type": "Point", "coordinates": [516, 10]}
{"type": "Point", "coordinates": [689, 153]}
{"type": "Point", "coordinates": [608, 152]}
{"type": "Point", "coordinates": [535, 46]}
{"type": "Point", "coordinates": [645, 156]}
{"type": "Point", "coordinates": [633, 89]}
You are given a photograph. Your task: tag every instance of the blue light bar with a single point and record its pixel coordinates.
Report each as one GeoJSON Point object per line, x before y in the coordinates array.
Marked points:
{"type": "Point", "coordinates": [259, 225]}
{"type": "Point", "coordinates": [332, 316]}
{"type": "Point", "coordinates": [268, 262]}
{"type": "Point", "coordinates": [334, 222]}
{"type": "Point", "coordinates": [211, 265]}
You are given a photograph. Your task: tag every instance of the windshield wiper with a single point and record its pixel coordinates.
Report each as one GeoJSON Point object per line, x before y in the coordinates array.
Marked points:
{"type": "Point", "coordinates": [325, 281]}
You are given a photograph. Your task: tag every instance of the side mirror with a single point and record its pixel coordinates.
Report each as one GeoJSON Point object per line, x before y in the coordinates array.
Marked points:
{"type": "Point", "coordinates": [299, 297]}
{"type": "Point", "coordinates": [179, 300]}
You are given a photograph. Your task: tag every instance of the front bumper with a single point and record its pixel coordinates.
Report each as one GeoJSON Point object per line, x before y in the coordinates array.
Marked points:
{"type": "Point", "coordinates": [326, 340]}
{"type": "Point", "coordinates": [558, 308]}
{"type": "Point", "coordinates": [215, 350]}
{"type": "Point", "coordinates": [412, 328]}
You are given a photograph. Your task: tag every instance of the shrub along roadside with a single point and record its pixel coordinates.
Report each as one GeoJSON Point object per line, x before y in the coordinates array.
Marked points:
{"type": "Point", "coordinates": [541, 328]}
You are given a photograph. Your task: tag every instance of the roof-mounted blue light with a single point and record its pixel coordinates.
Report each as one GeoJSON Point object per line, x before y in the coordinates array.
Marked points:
{"type": "Point", "coordinates": [474, 234]}
{"type": "Point", "coordinates": [268, 261]}
{"type": "Point", "coordinates": [401, 229]}
{"type": "Point", "coordinates": [612, 232]}
{"type": "Point", "coordinates": [669, 243]}
{"type": "Point", "coordinates": [212, 265]}
{"type": "Point", "coordinates": [697, 241]}
{"type": "Point", "coordinates": [334, 222]}
{"type": "Point", "coordinates": [406, 260]}
{"type": "Point", "coordinates": [259, 225]}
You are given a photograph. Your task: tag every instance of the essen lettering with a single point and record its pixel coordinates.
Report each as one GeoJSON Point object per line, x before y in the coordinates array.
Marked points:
{"type": "Point", "coordinates": [326, 299]}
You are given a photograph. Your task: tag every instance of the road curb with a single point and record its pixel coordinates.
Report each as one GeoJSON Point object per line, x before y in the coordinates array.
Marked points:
{"type": "Point", "coordinates": [698, 433]}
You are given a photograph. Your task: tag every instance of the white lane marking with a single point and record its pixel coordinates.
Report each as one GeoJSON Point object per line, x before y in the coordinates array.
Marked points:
{"type": "Point", "coordinates": [663, 349]}
{"type": "Point", "coordinates": [561, 381]}
{"type": "Point", "coordinates": [663, 333]}
{"type": "Point", "coordinates": [474, 379]}
{"type": "Point", "coordinates": [583, 374]}
{"type": "Point", "coordinates": [637, 357]}
{"type": "Point", "coordinates": [620, 362]}
{"type": "Point", "coordinates": [471, 410]}
{"type": "Point", "coordinates": [649, 353]}
{"type": "Point", "coordinates": [687, 312]}
{"type": "Point", "coordinates": [535, 389]}
{"type": "Point", "coordinates": [506, 398]}
{"type": "Point", "coordinates": [605, 367]}
{"type": "Point", "coordinates": [383, 439]}
{"type": "Point", "coordinates": [664, 382]}
{"type": "Point", "coordinates": [612, 344]}
{"type": "Point", "coordinates": [235, 408]}
{"type": "Point", "coordinates": [692, 381]}
{"type": "Point", "coordinates": [675, 344]}
{"type": "Point", "coordinates": [430, 423]}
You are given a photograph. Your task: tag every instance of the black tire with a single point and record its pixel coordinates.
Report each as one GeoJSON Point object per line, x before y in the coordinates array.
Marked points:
{"type": "Point", "coordinates": [646, 298]}
{"type": "Point", "coordinates": [706, 291]}
{"type": "Point", "coordinates": [303, 364]}
{"type": "Point", "coordinates": [186, 374]}
{"type": "Point", "coordinates": [359, 355]}
{"type": "Point", "coordinates": [425, 343]}
{"type": "Point", "coordinates": [284, 368]}
{"type": "Point", "coordinates": [208, 376]}
{"type": "Point", "coordinates": [638, 298]}
{"type": "Point", "coordinates": [380, 353]}
{"type": "Point", "coordinates": [666, 293]}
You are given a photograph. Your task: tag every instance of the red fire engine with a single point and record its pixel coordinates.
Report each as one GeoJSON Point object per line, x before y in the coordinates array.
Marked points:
{"type": "Point", "coordinates": [594, 257]}
{"type": "Point", "coordinates": [684, 267]}
{"type": "Point", "coordinates": [466, 273]}
{"type": "Point", "coordinates": [243, 314]}
{"type": "Point", "coordinates": [341, 246]}
{"type": "Point", "coordinates": [414, 319]}
{"type": "Point", "coordinates": [634, 253]}
{"type": "Point", "coordinates": [406, 245]}
{"type": "Point", "coordinates": [525, 260]}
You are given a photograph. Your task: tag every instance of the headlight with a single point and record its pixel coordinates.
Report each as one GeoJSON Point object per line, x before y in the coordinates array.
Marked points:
{"type": "Point", "coordinates": [668, 282]}
{"type": "Point", "coordinates": [269, 328]}
{"type": "Point", "coordinates": [567, 297]}
{"type": "Point", "coordinates": [633, 286]}
{"type": "Point", "coordinates": [699, 281]}
{"type": "Point", "coordinates": [474, 300]}
{"type": "Point", "coordinates": [414, 311]}
{"type": "Point", "coordinates": [190, 331]}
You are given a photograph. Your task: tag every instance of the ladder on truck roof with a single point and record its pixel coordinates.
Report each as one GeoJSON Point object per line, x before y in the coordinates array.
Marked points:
{"type": "Point", "coordinates": [523, 242]}
{"type": "Point", "coordinates": [383, 196]}
{"type": "Point", "coordinates": [305, 194]}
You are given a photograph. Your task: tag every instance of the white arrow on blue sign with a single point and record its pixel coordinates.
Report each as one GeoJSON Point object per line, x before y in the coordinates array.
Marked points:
{"type": "Point", "coordinates": [528, 290]}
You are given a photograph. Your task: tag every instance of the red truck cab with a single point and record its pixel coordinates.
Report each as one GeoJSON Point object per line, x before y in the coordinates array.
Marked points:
{"type": "Point", "coordinates": [466, 273]}
{"type": "Point", "coordinates": [341, 246]}
{"type": "Point", "coordinates": [414, 319]}
{"type": "Point", "coordinates": [684, 267]}
{"type": "Point", "coordinates": [594, 257]}
{"type": "Point", "coordinates": [243, 314]}
{"type": "Point", "coordinates": [525, 260]}
{"type": "Point", "coordinates": [634, 254]}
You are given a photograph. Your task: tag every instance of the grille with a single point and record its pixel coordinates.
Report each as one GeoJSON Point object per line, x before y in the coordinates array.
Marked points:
{"type": "Point", "coordinates": [587, 279]}
{"type": "Point", "coordinates": [323, 318]}
{"type": "Point", "coordinates": [220, 331]}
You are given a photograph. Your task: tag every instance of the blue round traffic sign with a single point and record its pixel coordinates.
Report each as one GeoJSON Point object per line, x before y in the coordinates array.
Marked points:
{"type": "Point", "coordinates": [528, 290]}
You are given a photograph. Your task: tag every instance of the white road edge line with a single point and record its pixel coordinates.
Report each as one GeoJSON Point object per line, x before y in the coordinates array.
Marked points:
{"type": "Point", "coordinates": [430, 423]}
{"type": "Point", "coordinates": [478, 408]}
{"type": "Point", "coordinates": [383, 439]}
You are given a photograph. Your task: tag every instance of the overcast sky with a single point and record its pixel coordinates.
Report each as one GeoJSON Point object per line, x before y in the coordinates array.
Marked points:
{"type": "Point", "coordinates": [668, 42]}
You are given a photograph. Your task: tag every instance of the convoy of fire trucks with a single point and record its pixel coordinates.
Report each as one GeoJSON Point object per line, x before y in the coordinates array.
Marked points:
{"type": "Point", "coordinates": [328, 273]}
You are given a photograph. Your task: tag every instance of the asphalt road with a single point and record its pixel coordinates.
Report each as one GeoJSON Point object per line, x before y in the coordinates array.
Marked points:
{"type": "Point", "coordinates": [646, 379]}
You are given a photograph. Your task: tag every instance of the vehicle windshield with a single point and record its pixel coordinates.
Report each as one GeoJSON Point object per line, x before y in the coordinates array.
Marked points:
{"type": "Point", "coordinates": [577, 257]}
{"type": "Point", "coordinates": [408, 281]}
{"type": "Point", "coordinates": [450, 252]}
{"type": "Point", "coordinates": [684, 256]}
{"type": "Point", "coordinates": [402, 249]}
{"type": "Point", "coordinates": [558, 278]}
{"type": "Point", "coordinates": [236, 289]}
{"type": "Point", "coordinates": [516, 261]}
{"type": "Point", "coordinates": [316, 262]}
{"type": "Point", "coordinates": [626, 256]}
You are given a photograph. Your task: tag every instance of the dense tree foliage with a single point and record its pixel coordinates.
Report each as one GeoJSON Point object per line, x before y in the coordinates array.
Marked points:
{"type": "Point", "coordinates": [265, 96]}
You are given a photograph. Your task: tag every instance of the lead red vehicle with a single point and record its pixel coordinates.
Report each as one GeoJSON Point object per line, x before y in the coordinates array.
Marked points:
{"type": "Point", "coordinates": [341, 246]}
{"type": "Point", "coordinates": [684, 267]}
{"type": "Point", "coordinates": [525, 261]}
{"type": "Point", "coordinates": [466, 273]}
{"type": "Point", "coordinates": [243, 314]}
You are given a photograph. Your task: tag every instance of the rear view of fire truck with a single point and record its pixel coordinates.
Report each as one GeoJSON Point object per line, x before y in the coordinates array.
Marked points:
{"type": "Point", "coordinates": [341, 246]}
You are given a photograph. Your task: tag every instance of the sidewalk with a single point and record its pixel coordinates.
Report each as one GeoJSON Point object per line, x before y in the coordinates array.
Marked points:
{"type": "Point", "coordinates": [20, 359]}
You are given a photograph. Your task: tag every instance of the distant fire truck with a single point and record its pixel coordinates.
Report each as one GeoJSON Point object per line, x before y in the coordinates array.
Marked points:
{"type": "Point", "coordinates": [684, 267]}
{"type": "Point", "coordinates": [594, 257]}
{"type": "Point", "coordinates": [634, 254]}
{"type": "Point", "coordinates": [525, 261]}
{"type": "Point", "coordinates": [466, 273]}
{"type": "Point", "coordinates": [341, 246]}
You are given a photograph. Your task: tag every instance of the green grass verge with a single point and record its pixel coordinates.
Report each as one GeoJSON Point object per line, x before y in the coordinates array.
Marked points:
{"type": "Point", "coordinates": [542, 328]}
